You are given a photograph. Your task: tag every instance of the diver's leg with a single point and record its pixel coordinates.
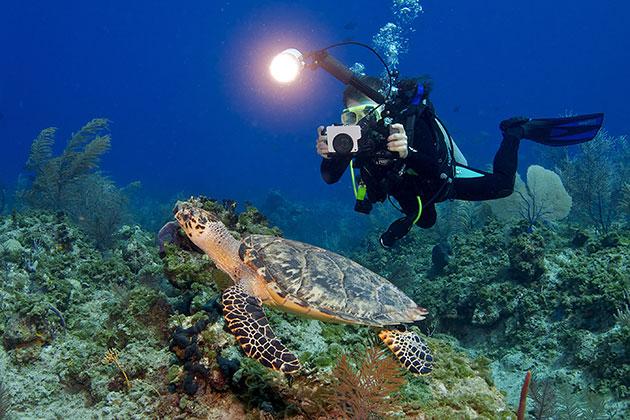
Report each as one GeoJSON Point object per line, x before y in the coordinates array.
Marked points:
{"type": "Point", "coordinates": [498, 184]}
{"type": "Point", "coordinates": [401, 227]}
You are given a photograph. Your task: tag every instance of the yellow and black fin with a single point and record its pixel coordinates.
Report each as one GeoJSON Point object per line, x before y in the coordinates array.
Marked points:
{"type": "Point", "coordinates": [247, 321]}
{"type": "Point", "coordinates": [410, 349]}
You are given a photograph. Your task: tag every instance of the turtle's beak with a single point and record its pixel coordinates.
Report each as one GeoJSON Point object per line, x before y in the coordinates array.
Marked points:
{"type": "Point", "coordinates": [179, 206]}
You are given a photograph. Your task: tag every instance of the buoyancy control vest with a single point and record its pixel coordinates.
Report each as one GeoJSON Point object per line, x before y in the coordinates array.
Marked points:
{"type": "Point", "coordinates": [408, 108]}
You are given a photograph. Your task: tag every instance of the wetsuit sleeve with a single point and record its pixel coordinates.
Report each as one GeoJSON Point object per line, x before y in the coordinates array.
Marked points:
{"type": "Point", "coordinates": [423, 154]}
{"type": "Point", "coordinates": [333, 168]}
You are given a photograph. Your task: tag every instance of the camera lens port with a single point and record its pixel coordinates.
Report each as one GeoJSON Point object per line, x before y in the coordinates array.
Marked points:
{"type": "Point", "coordinates": [342, 143]}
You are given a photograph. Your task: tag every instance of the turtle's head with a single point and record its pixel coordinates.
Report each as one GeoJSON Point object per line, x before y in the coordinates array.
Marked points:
{"type": "Point", "coordinates": [207, 232]}
{"type": "Point", "coordinates": [195, 221]}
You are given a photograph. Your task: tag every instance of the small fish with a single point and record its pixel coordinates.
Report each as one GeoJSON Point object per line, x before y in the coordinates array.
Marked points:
{"type": "Point", "coordinates": [350, 26]}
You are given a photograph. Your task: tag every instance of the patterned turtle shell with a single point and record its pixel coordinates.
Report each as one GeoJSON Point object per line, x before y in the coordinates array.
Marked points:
{"type": "Point", "coordinates": [312, 279]}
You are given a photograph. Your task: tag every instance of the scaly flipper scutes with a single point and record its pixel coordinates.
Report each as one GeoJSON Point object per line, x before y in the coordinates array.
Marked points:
{"type": "Point", "coordinates": [410, 349]}
{"type": "Point", "coordinates": [247, 321]}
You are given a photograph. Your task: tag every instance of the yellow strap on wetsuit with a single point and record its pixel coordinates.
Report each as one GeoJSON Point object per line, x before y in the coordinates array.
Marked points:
{"type": "Point", "coordinates": [419, 210]}
{"type": "Point", "coordinates": [359, 193]}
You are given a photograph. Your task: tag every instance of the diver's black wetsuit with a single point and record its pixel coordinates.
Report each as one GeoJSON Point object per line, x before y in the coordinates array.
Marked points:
{"type": "Point", "coordinates": [428, 158]}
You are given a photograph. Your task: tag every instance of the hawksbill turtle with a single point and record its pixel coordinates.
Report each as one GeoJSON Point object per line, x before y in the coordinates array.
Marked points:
{"type": "Point", "coordinates": [304, 280]}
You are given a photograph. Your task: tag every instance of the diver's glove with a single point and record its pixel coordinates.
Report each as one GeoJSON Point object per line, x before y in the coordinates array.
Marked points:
{"type": "Point", "coordinates": [515, 127]}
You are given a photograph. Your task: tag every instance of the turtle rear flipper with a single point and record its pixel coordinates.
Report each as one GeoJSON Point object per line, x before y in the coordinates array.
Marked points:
{"type": "Point", "coordinates": [410, 349]}
{"type": "Point", "coordinates": [247, 321]}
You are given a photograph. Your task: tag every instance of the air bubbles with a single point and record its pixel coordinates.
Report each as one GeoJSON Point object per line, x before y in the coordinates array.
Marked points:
{"type": "Point", "coordinates": [392, 39]}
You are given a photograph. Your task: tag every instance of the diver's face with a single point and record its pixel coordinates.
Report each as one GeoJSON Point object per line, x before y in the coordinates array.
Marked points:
{"type": "Point", "coordinates": [351, 103]}
{"type": "Point", "coordinates": [355, 111]}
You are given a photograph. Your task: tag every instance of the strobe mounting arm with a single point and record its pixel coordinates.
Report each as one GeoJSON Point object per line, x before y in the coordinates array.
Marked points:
{"type": "Point", "coordinates": [342, 73]}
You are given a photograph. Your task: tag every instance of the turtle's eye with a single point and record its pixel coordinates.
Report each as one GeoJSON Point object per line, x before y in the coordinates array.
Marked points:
{"type": "Point", "coordinates": [211, 217]}
{"type": "Point", "coordinates": [183, 216]}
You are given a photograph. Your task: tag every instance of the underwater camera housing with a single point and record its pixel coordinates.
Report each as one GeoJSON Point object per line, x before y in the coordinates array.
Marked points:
{"type": "Point", "coordinates": [368, 139]}
{"type": "Point", "coordinates": [343, 139]}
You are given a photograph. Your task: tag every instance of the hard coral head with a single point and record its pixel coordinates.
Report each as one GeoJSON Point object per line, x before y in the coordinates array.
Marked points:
{"type": "Point", "coordinates": [194, 220]}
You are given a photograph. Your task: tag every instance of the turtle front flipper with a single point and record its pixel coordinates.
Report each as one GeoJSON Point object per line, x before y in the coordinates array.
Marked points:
{"type": "Point", "coordinates": [410, 349]}
{"type": "Point", "coordinates": [247, 321]}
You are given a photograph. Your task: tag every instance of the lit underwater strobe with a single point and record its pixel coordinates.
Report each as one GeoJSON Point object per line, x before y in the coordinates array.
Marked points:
{"type": "Point", "coordinates": [286, 66]}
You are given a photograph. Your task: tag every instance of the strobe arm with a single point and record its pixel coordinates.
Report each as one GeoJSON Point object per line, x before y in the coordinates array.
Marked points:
{"type": "Point", "coordinates": [336, 68]}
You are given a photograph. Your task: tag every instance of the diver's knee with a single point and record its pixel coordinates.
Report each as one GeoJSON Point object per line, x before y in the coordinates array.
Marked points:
{"type": "Point", "coordinates": [504, 186]}
{"type": "Point", "coordinates": [505, 193]}
{"type": "Point", "coordinates": [504, 189]}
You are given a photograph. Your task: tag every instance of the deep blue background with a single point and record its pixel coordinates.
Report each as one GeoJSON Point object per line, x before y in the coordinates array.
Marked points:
{"type": "Point", "coordinates": [193, 110]}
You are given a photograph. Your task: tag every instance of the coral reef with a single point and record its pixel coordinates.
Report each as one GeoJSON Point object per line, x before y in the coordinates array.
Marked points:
{"type": "Point", "coordinates": [66, 305]}
{"type": "Point", "coordinates": [558, 400]}
{"type": "Point", "coordinates": [50, 269]}
{"type": "Point", "coordinates": [530, 300]}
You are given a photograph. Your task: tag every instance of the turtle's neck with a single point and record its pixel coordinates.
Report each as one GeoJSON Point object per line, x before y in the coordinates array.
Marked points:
{"type": "Point", "coordinates": [217, 242]}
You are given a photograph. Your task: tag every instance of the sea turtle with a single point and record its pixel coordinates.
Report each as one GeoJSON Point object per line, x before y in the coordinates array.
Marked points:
{"type": "Point", "coordinates": [304, 280]}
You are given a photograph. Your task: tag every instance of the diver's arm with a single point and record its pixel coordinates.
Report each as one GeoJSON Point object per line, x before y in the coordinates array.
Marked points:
{"type": "Point", "coordinates": [333, 167]}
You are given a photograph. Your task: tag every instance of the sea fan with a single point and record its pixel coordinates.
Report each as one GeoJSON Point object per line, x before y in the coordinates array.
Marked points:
{"type": "Point", "coordinates": [368, 384]}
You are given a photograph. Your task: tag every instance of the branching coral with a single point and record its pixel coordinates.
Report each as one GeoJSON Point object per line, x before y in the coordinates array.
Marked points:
{"type": "Point", "coordinates": [68, 182]}
{"type": "Point", "coordinates": [544, 398]}
{"type": "Point", "coordinates": [564, 402]}
{"type": "Point", "coordinates": [53, 175]}
{"type": "Point", "coordinates": [624, 202]}
{"type": "Point", "coordinates": [112, 356]}
{"type": "Point", "coordinates": [369, 387]}
{"type": "Point", "coordinates": [595, 177]}
{"type": "Point", "coordinates": [98, 206]}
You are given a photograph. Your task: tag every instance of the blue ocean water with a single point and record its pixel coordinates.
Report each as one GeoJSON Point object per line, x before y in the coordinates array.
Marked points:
{"type": "Point", "coordinates": [194, 110]}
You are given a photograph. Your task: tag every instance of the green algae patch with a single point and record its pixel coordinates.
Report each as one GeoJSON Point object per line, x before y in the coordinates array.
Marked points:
{"type": "Point", "coordinates": [183, 268]}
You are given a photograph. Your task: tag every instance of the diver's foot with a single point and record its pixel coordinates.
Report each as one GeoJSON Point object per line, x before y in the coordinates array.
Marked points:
{"type": "Point", "coordinates": [396, 230]}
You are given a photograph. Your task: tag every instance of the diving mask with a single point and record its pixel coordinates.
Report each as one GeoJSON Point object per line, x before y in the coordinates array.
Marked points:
{"type": "Point", "coordinates": [352, 115]}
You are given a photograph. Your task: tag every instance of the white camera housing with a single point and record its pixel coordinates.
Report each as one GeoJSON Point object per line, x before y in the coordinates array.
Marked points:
{"type": "Point", "coordinates": [333, 131]}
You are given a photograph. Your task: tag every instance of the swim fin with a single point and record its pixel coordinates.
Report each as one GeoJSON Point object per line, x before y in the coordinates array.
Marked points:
{"type": "Point", "coordinates": [563, 131]}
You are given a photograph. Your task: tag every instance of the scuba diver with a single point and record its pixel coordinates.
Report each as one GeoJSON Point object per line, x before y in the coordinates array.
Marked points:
{"type": "Point", "coordinates": [418, 163]}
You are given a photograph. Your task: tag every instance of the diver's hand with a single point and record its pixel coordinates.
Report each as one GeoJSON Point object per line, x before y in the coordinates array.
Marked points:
{"type": "Point", "coordinates": [397, 140]}
{"type": "Point", "coordinates": [322, 143]}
